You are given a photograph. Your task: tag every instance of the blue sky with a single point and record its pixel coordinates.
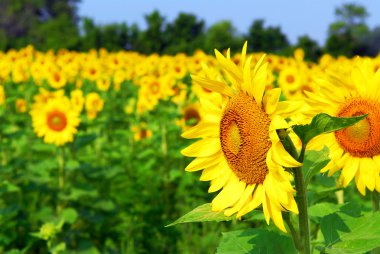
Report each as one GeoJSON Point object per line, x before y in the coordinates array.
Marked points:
{"type": "Point", "coordinates": [295, 17]}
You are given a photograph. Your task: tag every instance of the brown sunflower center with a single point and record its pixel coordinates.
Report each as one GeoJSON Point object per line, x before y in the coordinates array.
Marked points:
{"type": "Point", "coordinates": [363, 138]}
{"type": "Point", "coordinates": [56, 120]}
{"type": "Point", "coordinates": [244, 138]}
{"type": "Point", "coordinates": [290, 78]}
{"type": "Point", "coordinates": [191, 116]}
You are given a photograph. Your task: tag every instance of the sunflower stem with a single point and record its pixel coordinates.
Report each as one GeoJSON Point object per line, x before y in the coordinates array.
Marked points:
{"type": "Point", "coordinates": [301, 199]}
{"type": "Point", "coordinates": [293, 232]}
{"type": "Point", "coordinates": [61, 175]}
{"type": "Point", "coordinates": [301, 196]}
{"type": "Point", "coordinates": [375, 201]}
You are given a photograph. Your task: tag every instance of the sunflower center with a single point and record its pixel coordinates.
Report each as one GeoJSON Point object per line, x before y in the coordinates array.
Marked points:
{"type": "Point", "coordinates": [56, 120]}
{"type": "Point", "coordinates": [191, 116]}
{"type": "Point", "coordinates": [244, 138]}
{"type": "Point", "coordinates": [290, 78]}
{"type": "Point", "coordinates": [233, 138]}
{"type": "Point", "coordinates": [363, 138]}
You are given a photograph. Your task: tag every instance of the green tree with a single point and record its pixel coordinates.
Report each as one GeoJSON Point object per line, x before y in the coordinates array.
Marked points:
{"type": "Point", "coordinates": [348, 29]}
{"type": "Point", "coordinates": [152, 39]}
{"type": "Point", "coordinates": [185, 34]}
{"type": "Point", "coordinates": [310, 47]}
{"type": "Point", "coordinates": [30, 21]}
{"type": "Point", "coordinates": [268, 39]}
{"type": "Point", "coordinates": [222, 35]}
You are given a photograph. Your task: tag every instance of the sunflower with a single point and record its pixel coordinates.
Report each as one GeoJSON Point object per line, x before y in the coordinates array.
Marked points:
{"type": "Point", "coordinates": [56, 121]}
{"type": "Point", "coordinates": [355, 150]}
{"type": "Point", "coordinates": [240, 151]}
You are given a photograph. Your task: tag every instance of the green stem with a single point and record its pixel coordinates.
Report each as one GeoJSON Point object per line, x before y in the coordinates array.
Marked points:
{"type": "Point", "coordinates": [301, 196]}
{"type": "Point", "coordinates": [375, 201]}
{"type": "Point", "coordinates": [293, 232]}
{"type": "Point", "coordinates": [61, 175]}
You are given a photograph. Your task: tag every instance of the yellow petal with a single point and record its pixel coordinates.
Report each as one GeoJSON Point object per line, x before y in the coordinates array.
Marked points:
{"type": "Point", "coordinates": [368, 166]}
{"type": "Point", "coordinates": [220, 182]}
{"type": "Point", "coordinates": [245, 197]}
{"type": "Point", "coordinates": [229, 66]}
{"type": "Point", "coordinates": [277, 123]}
{"type": "Point", "coordinates": [271, 100]}
{"type": "Point", "coordinates": [359, 182]}
{"type": "Point", "coordinates": [202, 148]}
{"type": "Point", "coordinates": [204, 162]}
{"type": "Point", "coordinates": [282, 157]}
{"type": "Point", "coordinates": [247, 84]}
{"type": "Point", "coordinates": [266, 208]}
{"type": "Point", "coordinates": [244, 52]}
{"type": "Point", "coordinates": [276, 216]}
{"type": "Point", "coordinates": [214, 85]}
{"type": "Point", "coordinates": [229, 195]}
{"type": "Point", "coordinates": [349, 170]}
{"type": "Point", "coordinates": [254, 203]}
{"type": "Point", "coordinates": [259, 83]}
{"type": "Point", "coordinates": [213, 172]}
{"type": "Point", "coordinates": [203, 129]}
{"type": "Point", "coordinates": [288, 108]}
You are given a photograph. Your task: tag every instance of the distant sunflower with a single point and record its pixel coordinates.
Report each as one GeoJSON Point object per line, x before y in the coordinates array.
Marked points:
{"type": "Point", "coordinates": [354, 150]}
{"type": "Point", "coordinates": [56, 121]}
{"type": "Point", "coordinates": [240, 151]}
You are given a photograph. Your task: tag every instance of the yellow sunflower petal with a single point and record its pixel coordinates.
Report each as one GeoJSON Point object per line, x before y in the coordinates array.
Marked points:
{"type": "Point", "coordinates": [212, 172]}
{"type": "Point", "coordinates": [254, 203]}
{"type": "Point", "coordinates": [260, 82]}
{"type": "Point", "coordinates": [276, 216]}
{"type": "Point", "coordinates": [349, 170]}
{"type": "Point", "coordinates": [214, 85]}
{"type": "Point", "coordinates": [245, 197]}
{"type": "Point", "coordinates": [229, 66]}
{"type": "Point", "coordinates": [271, 100]}
{"type": "Point", "coordinates": [230, 194]}
{"type": "Point", "coordinates": [203, 129]}
{"type": "Point", "coordinates": [204, 162]}
{"type": "Point", "coordinates": [282, 157]}
{"type": "Point", "coordinates": [202, 148]}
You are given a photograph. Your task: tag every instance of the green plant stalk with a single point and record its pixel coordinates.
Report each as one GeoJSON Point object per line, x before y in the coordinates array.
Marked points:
{"type": "Point", "coordinates": [301, 196]}
{"type": "Point", "coordinates": [375, 201]}
{"type": "Point", "coordinates": [293, 232]}
{"type": "Point", "coordinates": [61, 175]}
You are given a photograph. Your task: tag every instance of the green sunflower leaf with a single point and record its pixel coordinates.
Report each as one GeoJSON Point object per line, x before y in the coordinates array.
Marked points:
{"type": "Point", "coordinates": [200, 214]}
{"type": "Point", "coordinates": [346, 234]}
{"type": "Point", "coordinates": [324, 123]}
{"type": "Point", "coordinates": [255, 241]}
{"type": "Point", "coordinates": [314, 161]}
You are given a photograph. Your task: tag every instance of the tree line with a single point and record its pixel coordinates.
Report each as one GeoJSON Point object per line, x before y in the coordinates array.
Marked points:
{"type": "Point", "coordinates": [55, 24]}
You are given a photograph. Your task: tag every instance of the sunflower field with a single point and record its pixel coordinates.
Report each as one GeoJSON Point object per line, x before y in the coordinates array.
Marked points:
{"type": "Point", "coordinates": [98, 149]}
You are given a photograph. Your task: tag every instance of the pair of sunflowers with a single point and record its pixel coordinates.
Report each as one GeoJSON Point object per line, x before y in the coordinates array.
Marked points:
{"type": "Point", "coordinates": [239, 149]}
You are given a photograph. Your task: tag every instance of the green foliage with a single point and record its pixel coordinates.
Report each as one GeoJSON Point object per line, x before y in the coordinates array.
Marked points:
{"type": "Point", "coordinates": [346, 33]}
{"type": "Point", "coordinates": [200, 214]}
{"type": "Point", "coordinates": [347, 234]}
{"type": "Point", "coordinates": [314, 161]}
{"type": "Point", "coordinates": [255, 241]}
{"type": "Point", "coordinates": [221, 36]}
{"type": "Point", "coordinates": [269, 39]}
{"type": "Point", "coordinates": [324, 123]}
{"type": "Point", "coordinates": [118, 194]}
{"type": "Point", "coordinates": [310, 47]}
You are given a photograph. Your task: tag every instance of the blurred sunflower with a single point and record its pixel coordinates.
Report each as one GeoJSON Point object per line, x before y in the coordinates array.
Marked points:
{"type": "Point", "coordinates": [56, 121]}
{"type": "Point", "coordinates": [94, 104]}
{"type": "Point", "coordinates": [356, 149]}
{"type": "Point", "coordinates": [2, 95]}
{"type": "Point", "coordinates": [240, 151]}
{"type": "Point", "coordinates": [21, 105]}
